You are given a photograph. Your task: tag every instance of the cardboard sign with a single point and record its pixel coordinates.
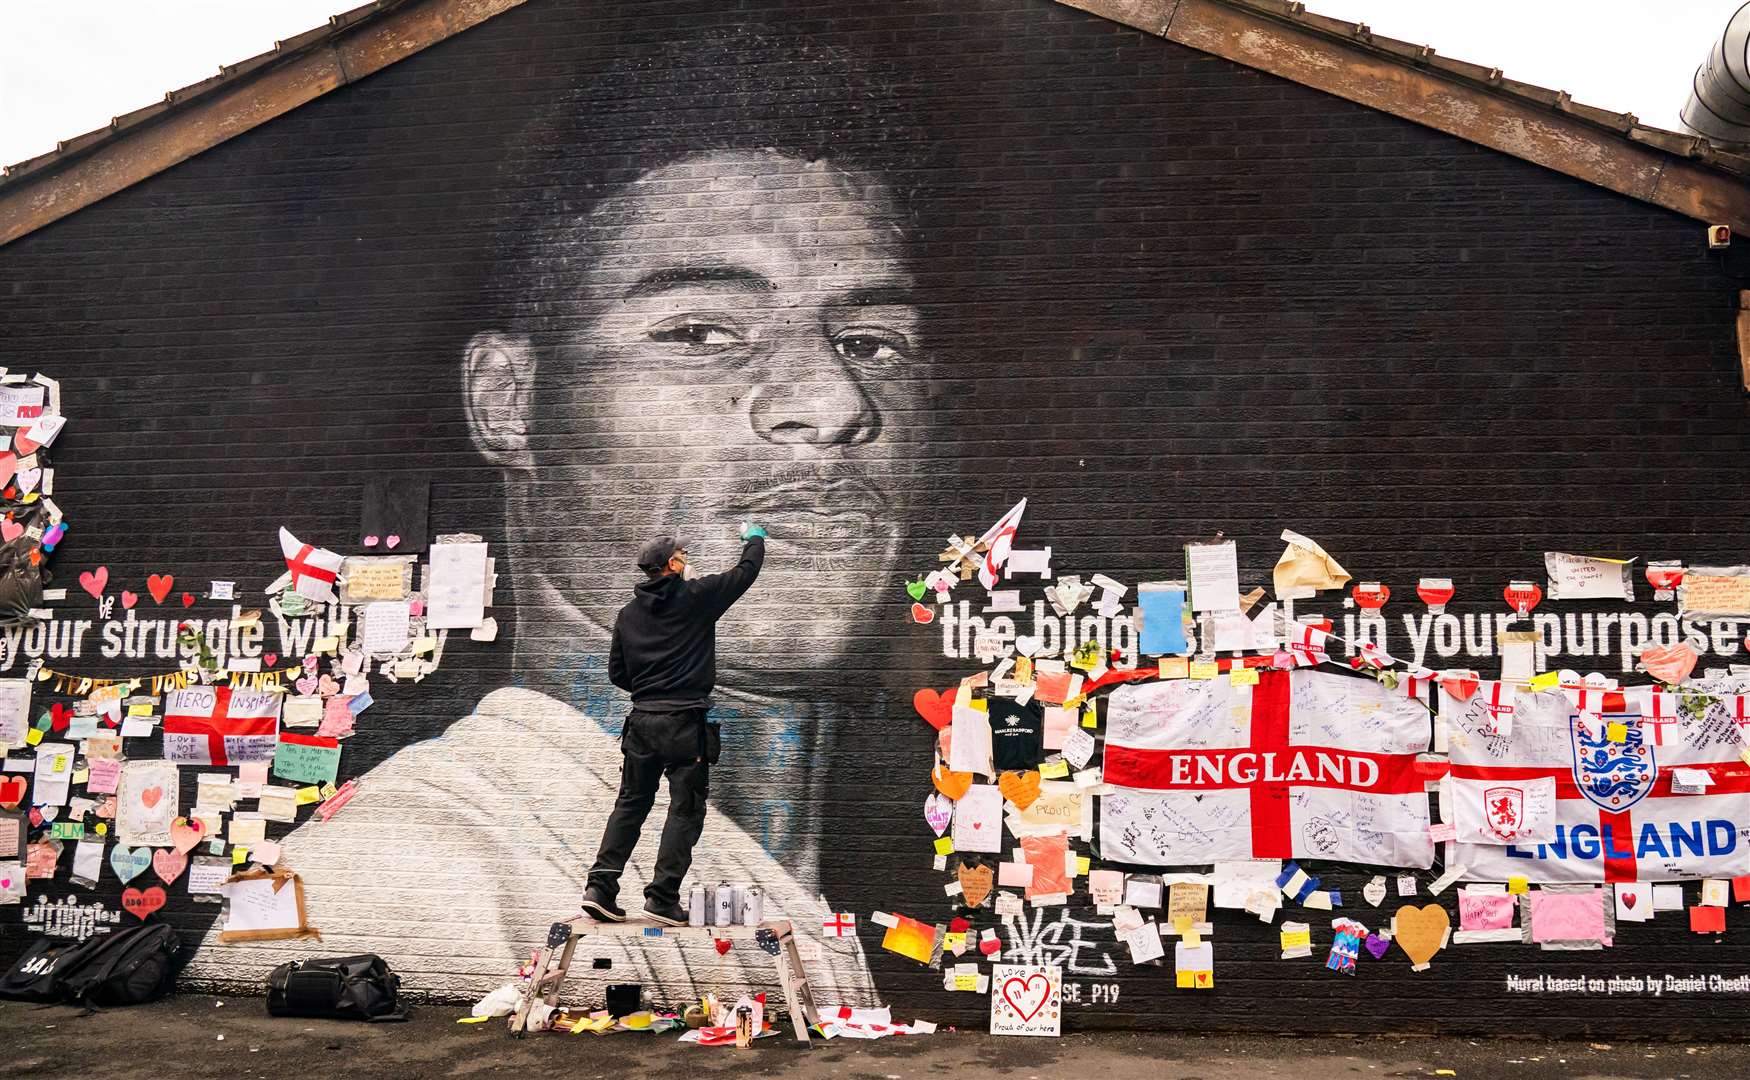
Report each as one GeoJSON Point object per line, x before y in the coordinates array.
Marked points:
{"type": "Point", "coordinates": [1026, 1000]}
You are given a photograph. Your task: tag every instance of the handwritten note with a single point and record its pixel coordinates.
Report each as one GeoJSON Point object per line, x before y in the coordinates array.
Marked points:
{"type": "Point", "coordinates": [1215, 576]}
{"type": "Point", "coordinates": [458, 586]}
{"type": "Point", "coordinates": [14, 712]}
{"type": "Point", "coordinates": [375, 578]}
{"type": "Point", "coordinates": [308, 759]}
{"type": "Point", "coordinates": [1581, 577]}
{"type": "Point", "coordinates": [385, 627]}
{"type": "Point", "coordinates": [1714, 592]}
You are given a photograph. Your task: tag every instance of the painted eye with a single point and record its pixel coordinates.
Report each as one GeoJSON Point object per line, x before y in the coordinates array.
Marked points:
{"type": "Point", "coordinates": [861, 346]}
{"type": "Point", "coordinates": [696, 334]}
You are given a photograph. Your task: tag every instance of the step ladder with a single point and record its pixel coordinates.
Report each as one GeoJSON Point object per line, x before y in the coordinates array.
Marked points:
{"type": "Point", "coordinates": [553, 962]}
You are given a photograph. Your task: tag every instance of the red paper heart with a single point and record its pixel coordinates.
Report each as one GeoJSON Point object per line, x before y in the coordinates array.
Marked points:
{"type": "Point", "coordinates": [1524, 596]}
{"type": "Point", "coordinates": [1460, 686]}
{"type": "Point", "coordinates": [1670, 663]}
{"type": "Point", "coordinates": [1432, 594]}
{"type": "Point", "coordinates": [922, 615]}
{"type": "Point", "coordinates": [188, 599]}
{"type": "Point", "coordinates": [1017, 985]}
{"type": "Point", "coordinates": [723, 945]}
{"type": "Point", "coordinates": [151, 796]}
{"type": "Point", "coordinates": [937, 709]}
{"type": "Point", "coordinates": [142, 902]}
{"type": "Point", "coordinates": [94, 581]}
{"type": "Point", "coordinates": [129, 599]}
{"type": "Point", "coordinates": [59, 717]}
{"type": "Point", "coordinates": [159, 586]}
{"type": "Point", "coordinates": [12, 789]}
{"type": "Point", "coordinates": [989, 946]}
{"type": "Point", "coordinates": [1371, 599]}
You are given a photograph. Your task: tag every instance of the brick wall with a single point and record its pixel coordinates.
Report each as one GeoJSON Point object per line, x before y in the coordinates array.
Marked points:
{"type": "Point", "coordinates": [1156, 294]}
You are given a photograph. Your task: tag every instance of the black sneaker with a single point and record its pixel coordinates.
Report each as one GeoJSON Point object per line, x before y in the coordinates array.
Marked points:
{"type": "Point", "coordinates": [601, 907]}
{"type": "Point", "coordinates": [667, 914]}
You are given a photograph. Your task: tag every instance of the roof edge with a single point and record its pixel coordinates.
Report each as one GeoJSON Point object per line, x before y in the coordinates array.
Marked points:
{"type": "Point", "coordinates": [1679, 172]}
{"type": "Point", "coordinates": [91, 167]}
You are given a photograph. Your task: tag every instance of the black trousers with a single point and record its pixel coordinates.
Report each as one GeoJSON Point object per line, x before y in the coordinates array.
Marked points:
{"type": "Point", "coordinates": [681, 746]}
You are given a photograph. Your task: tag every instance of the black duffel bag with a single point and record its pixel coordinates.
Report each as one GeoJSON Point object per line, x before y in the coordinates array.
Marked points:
{"type": "Point", "coordinates": [126, 967]}
{"type": "Point", "coordinates": [349, 988]}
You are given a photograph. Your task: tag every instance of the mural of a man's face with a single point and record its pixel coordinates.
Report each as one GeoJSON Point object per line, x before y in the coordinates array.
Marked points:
{"type": "Point", "coordinates": [737, 339]}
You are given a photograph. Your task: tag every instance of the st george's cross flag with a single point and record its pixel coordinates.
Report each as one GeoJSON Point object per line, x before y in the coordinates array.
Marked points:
{"type": "Point", "coordinates": [1001, 540]}
{"type": "Point", "coordinates": [314, 570]}
{"type": "Point", "coordinates": [1615, 816]}
{"type": "Point", "coordinates": [1303, 765]}
{"type": "Point", "coordinates": [220, 725]}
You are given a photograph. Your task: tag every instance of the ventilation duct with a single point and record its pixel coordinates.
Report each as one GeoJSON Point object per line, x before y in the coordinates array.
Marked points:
{"type": "Point", "coordinates": [1719, 104]}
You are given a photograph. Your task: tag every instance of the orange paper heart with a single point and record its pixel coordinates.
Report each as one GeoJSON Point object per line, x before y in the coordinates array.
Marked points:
{"type": "Point", "coordinates": [975, 883]}
{"type": "Point", "coordinates": [1020, 788]}
{"type": "Point", "coordinates": [1670, 663]}
{"type": "Point", "coordinates": [951, 784]}
{"type": "Point", "coordinates": [1460, 686]}
{"type": "Point", "coordinates": [937, 709]}
{"type": "Point", "coordinates": [1421, 932]}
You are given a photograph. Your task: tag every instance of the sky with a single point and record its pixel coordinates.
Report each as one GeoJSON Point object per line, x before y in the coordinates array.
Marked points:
{"type": "Point", "coordinates": [67, 66]}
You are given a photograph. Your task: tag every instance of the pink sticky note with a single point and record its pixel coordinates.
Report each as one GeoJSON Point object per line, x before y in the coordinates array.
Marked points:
{"type": "Point", "coordinates": [1485, 911]}
{"type": "Point", "coordinates": [1015, 875]}
{"type": "Point", "coordinates": [1567, 916]}
{"type": "Point", "coordinates": [266, 852]}
{"type": "Point", "coordinates": [337, 719]}
{"type": "Point", "coordinates": [104, 774]}
{"type": "Point", "coordinates": [1059, 721]}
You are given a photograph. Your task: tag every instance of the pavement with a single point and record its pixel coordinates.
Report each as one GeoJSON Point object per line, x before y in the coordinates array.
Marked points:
{"type": "Point", "coordinates": [200, 1036]}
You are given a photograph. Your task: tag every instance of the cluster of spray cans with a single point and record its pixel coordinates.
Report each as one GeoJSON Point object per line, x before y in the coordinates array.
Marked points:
{"type": "Point", "coordinates": [725, 905]}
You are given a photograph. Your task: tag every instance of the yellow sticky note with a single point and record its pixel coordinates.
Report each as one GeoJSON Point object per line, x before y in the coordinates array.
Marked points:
{"type": "Point", "coordinates": [1191, 938]}
{"type": "Point", "coordinates": [81, 776]}
{"type": "Point", "coordinates": [423, 645]}
{"type": "Point", "coordinates": [1244, 676]}
{"type": "Point", "coordinates": [308, 795]}
{"type": "Point", "coordinates": [33, 736]}
{"type": "Point", "coordinates": [980, 704]}
{"type": "Point", "coordinates": [952, 941]}
{"type": "Point", "coordinates": [1182, 924]}
{"type": "Point", "coordinates": [1518, 886]}
{"type": "Point", "coordinates": [327, 645]}
{"type": "Point", "coordinates": [1296, 939]}
{"type": "Point", "coordinates": [1090, 717]}
{"type": "Point", "coordinates": [1204, 669]}
{"type": "Point", "coordinates": [239, 856]}
{"type": "Point", "coordinates": [1616, 731]}
{"type": "Point", "coordinates": [966, 982]}
{"type": "Point", "coordinates": [1186, 980]}
{"type": "Point", "coordinates": [1054, 770]}
{"type": "Point", "coordinates": [945, 845]}
{"type": "Point", "coordinates": [140, 708]}
{"type": "Point", "coordinates": [1083, 865]}
{"type": "Point", "coordinates": [1175, 667]}
{"type": "Point", "coordinates": [1549, 680]}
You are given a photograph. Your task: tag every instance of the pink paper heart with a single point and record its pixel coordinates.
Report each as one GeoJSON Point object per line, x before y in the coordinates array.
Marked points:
{"type": "Point", "coordinates": [371, 540]}
{"type": "Point", "coordinates": [10, 530]}
{"type": "Point", "coordinates": [1670, 663]}
{"type": "Point", "coordinates": [393, 541]}
{"type": "Point", "coordinates": [307, 685]}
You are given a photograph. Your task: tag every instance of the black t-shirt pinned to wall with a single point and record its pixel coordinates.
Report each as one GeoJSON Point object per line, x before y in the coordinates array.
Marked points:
{"type": "Point", "coordinates": [1015, 732]}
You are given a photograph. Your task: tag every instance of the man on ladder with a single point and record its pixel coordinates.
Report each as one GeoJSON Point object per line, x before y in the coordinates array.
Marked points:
{"type": "Point", "coordinates": [664, 654]}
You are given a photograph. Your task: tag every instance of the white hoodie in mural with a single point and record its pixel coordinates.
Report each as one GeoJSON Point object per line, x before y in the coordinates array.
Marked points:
{"type": "Point", "coordinates": [461, 850]}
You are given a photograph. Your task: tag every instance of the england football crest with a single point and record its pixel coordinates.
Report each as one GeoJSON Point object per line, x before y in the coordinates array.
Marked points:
{"type": "Point", "coordinates": [1504, 811]}
{"type": "Point", "coordinates": [1613, 776]}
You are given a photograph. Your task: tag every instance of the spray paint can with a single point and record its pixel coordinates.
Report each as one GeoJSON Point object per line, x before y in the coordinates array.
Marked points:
{"type": "Point", "coordinates": [725, 910]}
{"type": "Point", "coordinates": [737, 895]}
{"type": "Point", "coordinates": [696, 905]}
{"type": "Point", "coordinates": [753, 909]}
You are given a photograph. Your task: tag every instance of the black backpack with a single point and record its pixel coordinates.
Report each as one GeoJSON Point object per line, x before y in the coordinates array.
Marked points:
{"type": "Point", "coordinates": [127, 967]}
{"type": "Point", "coordinates": [348, 988]}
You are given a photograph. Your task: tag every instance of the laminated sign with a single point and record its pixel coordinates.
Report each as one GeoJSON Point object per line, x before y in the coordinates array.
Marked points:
{"type": "Point", "coordinates": [220, 725]}
{"type": "Point", "coordinates": [1614, 815]}
{"type": "Point", "coordinates": [1303, 764]}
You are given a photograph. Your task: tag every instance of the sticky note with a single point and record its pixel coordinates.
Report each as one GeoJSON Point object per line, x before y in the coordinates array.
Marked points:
{"type": "Point", "coordinates": [1204, 669]}
{"type": "Point", "coordinates": [945, 845]}
{"type": "Point", "coordinates": [1296, 939]}
{"type": "Point", "coordinates": [1083, 865]}
{"type": "Point", "coordinates": [308, 795]}
{"type": "Point", "coordinates": [1054, 770]}
{"type": "Point", "coordinates": [1090, 716]}
{"type": "Point", "coordinates": [1707, 920]}
{"type": "Point", "coordinates": [1518, 886]}
{"type": "Point", "coordinates": [1616, 731]}
{"type": "Point", "coordinates": [1243, 676]}
{"type": "Point", "coordinates": [239, 856]}
{"type": "Point", "coordinates": [1549, 680]}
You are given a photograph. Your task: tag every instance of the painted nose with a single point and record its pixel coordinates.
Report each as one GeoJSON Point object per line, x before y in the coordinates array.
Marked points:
{"type": "Point", "coordinates": [810, 398]}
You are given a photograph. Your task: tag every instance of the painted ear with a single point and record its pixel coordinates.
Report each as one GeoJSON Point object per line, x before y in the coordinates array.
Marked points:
{"type": "Point", "coordinates": [498, 384]}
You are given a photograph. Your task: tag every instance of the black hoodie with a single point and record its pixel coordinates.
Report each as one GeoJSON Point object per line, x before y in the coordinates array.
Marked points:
{"type": "Point", "coordinates": [665, 641]}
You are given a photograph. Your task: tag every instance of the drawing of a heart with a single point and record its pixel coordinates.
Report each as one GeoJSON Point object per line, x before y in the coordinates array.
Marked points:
{"type": "Point", "coordinates": [12, 790]}
{"type": "Point", "coordinates": [1028, 644]}
{"type": "Point", "coordinates": [1377, 945]}
{"type": "Point", "coordinates": [922, 615]}
{"type": "Point", "coordinates": [159, 586]}
{"type": "Point", "coordinates": [1670, 663]}
{"type": "Point", "coordinates": [149, 798]}
{"type": "Point", "coordinates": [1628, 900]}
{"type": "Point", "coordinates": [188, 599]}
{"type": "Point", "coordinates": [938, 812]}
{"type": "Point", "coordinates": [1022, 997]}
{"type": "Point", "coordinates": [10, 530]}
{"type": "Point", "coordinates": [185, 834]}
{"type": "Point", "coordinates": [129, 599]}
{"type": "Point", "coordinates": [142, 902]}
{"type": "Point", "coordinates": [937, 709]}
{"type": "Point", "coordinates": [168, 864]}
{"type": "Point", "coordinates": [93, 581]}
{"type": "Point", "coordinates": [269, 659]}
{"type": "Point", "coordinates": [129, 863]}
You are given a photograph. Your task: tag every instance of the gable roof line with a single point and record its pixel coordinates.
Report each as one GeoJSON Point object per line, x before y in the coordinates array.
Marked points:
{"type": "Point", "coordinates": [1682, 173]}
{"type": "Point", "coordinates": [136, 145]}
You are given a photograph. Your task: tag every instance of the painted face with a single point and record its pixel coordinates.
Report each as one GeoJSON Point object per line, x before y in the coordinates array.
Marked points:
{"type": "Point", "coordinates": [747, 349]}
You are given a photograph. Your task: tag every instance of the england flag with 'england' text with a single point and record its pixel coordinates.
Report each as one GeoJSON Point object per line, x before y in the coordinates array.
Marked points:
{"type": "Point", "coordinates": [1304, 765]}
{"type": "Point", "coordinates": [1613, 815]}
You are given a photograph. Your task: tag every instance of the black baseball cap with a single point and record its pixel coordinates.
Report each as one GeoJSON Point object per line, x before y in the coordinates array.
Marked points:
{"type": "Point", "coordinates": [656, 554]}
